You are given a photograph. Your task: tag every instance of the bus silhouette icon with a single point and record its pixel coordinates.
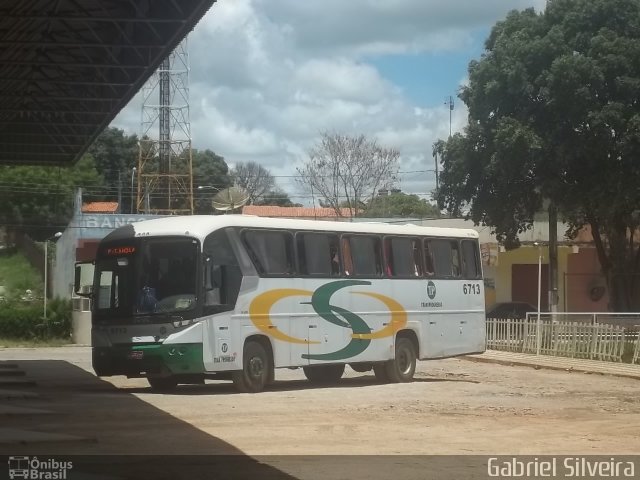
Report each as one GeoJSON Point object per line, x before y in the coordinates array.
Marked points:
{"type": "Point", "coordinates": [18, 467]}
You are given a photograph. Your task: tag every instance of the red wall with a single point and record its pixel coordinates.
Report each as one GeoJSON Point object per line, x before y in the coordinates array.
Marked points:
{"type": "Point", "coordinates": [583, 274]}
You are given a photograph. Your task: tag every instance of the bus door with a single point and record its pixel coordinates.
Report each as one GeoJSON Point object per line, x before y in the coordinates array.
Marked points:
{"type": "Point", "coordinates": [329, 329]}
{"type": "Point", "coordinates": [315, 340]}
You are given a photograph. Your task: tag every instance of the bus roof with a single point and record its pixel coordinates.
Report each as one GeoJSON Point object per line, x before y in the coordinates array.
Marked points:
{"type": "Point", "coordinates": [199, 226]}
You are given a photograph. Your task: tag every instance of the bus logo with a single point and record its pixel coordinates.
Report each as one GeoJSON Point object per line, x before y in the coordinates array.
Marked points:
{"type": "Point", "coordinates": [361, 336]}
{"type": "Point", "coordinates": [18, 467]}
{"type": "Point", "coordinates": [431, 290]}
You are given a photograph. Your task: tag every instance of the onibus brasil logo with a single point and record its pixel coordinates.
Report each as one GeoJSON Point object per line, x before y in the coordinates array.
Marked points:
{"type": "Point", "coordinates": [32, 468]}
{"type": "Point", "coordinates": [361, 334]}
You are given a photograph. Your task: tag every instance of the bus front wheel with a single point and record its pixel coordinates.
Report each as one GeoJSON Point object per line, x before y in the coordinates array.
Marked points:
{"type": "Point", "coordinates": [403, 366]}
{"type": "Point", "coordinates": [256, 369]}
{"type": "Point", "coordinates": [162, 384]}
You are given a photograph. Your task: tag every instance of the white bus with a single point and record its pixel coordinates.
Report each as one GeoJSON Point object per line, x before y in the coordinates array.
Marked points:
{"type": "Point", "coordinates": [184, 299]}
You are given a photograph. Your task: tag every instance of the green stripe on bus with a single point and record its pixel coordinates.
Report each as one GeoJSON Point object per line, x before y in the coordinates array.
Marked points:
{"type": "Point", "coordinates": [178, 357]}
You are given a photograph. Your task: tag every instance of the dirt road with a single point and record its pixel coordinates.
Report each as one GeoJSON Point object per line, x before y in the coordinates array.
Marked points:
{"type": "Point", "coordinates": [454, 407]}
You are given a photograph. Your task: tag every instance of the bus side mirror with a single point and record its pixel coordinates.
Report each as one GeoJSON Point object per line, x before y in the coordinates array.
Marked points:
{"type": "Point", "coordinates": [83, 279]}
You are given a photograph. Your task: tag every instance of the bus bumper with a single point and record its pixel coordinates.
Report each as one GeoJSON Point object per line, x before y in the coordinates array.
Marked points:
{"type": "Point", "coordinates": [143, 360]}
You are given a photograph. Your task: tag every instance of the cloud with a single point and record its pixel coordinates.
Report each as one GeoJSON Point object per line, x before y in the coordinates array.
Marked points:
{"type": "Point", "coordinates": [268, 76]}
{"type": "Point", "coordinates": [381, 27]}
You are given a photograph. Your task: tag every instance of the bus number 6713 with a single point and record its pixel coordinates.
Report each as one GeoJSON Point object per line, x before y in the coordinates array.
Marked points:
{"type": "Point", "coordinates": [471, 289]}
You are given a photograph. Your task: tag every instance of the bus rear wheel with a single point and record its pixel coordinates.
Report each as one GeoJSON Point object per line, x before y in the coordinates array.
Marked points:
{"type": "Point", "coordinates": [403, 366]}
{"type": "Point", "coordinates": [163, 384]}
{"type": "Point", "coordinates": [256, 369]}
{"type": "Point", "coordinates": [324, 374]}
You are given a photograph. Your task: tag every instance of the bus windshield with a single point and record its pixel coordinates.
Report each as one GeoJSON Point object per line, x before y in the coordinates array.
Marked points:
{"type": "Point", "coordinates": [145, 277]}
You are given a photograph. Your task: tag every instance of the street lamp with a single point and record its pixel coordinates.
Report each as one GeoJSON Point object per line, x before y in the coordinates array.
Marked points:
{"type": "Point", "coordinates": [538, 322]}
{"type": "Point", "coordinates": [46, 270]}
{"type": "Point", "coordinates": [133, 173]}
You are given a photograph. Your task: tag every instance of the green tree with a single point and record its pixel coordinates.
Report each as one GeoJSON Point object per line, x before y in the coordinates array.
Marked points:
{"type": "Point", "coordinates": [211, 173]}
{"type": "Point", "coordinates": [398, 204]}
{"type": "Point", "coordinates": [554, 114]}
{"type": "Point", "coordinates": [278, 198]}
{"type": "Point", "coordinates": [115, 155]}
{"type": "Point", "coordinates": [39, 200]}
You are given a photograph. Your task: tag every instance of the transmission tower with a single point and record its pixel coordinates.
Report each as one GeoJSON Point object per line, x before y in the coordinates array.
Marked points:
{"type": "Point", "coordinates": [165, 171]}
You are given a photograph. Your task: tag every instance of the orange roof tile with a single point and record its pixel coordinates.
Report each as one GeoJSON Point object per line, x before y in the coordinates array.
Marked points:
{"type": "Point", "coordinates": [293, 212]}
{"type": "Point", "coordinates": [100, 207]}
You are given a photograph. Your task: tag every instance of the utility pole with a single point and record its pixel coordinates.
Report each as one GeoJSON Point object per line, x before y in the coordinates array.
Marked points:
{"type": "Point", "coordinates": [450, 103]}
{"type": "Point", "coordinates": [119, 191]}
{"type": "Point", "coordinates": [553, 258]}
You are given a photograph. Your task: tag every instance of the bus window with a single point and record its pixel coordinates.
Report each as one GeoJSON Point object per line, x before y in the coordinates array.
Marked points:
{"type": "Point", "coordinates": [417, 257]}
{"type": "Point", "coordinates": [455, 259]}
{"type": "Point", "coordinates": [346, 256]}
{"type": "Point", "coordinates": [167, 277]}
{"type": "Point", "coordinates": [222, 274]}
{"type": "Point", "coordinates": [108, 292]}
{"type": "Point", "coordinates": [115, 287]}
{"type": "Point", "coordinates": [271, 251]}
{"type": "Point", "coordinates": [470, 259]}
{"type": "Point", "coordinates": [446, 257]}
{"type": "Point", "coordinates": [366, 254]}
{"type": "Point", "coordinates": [429, 270]}
{"type": "Point", "coordinates": [318, 254]}
{"type": "Point", "coordinates": [403, 257]}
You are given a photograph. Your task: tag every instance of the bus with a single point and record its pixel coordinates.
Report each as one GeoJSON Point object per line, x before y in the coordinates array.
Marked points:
{"type": "Point", "coordinates": [186, 298]}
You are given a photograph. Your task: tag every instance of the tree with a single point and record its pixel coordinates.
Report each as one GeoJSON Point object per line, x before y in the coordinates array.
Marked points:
{"type": "Point", "coordinates": [554, 114]}
{"type": "Point", "coordinates": [115, 155]}
{"type": "Point", "coordinates": [398, 204]}
{"type": "Point", "coordinates": [277, 197]}
{"type": "Point", "coordinates": [343, 170]}
{"type": "Point", "coordinates": [39, 200]}
{"type": "Point", "coordinates": [210, 172]}
{"type": "Point", "coordinates": [254, 178]}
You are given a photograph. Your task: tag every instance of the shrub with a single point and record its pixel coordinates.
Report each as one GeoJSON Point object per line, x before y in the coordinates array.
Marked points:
{"type": "Point", "coordinates": [21, 321]}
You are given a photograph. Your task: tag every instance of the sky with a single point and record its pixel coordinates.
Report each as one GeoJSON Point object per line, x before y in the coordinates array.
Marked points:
{"type": "Point", "coordinates": [267, 77]}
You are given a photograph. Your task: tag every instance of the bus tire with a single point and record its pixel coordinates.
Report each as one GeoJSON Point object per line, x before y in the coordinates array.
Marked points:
{"type": "Point", "coordinates": [380, 371]}
{"type": "Point", "coordinates": [162, 384]}
{"type": "Point", "coordinates": [360, 367]}
{"type": "Point", "coordinates": [256, 367]}
{"type": "Point", "coordinates": [324, 374]}
{"type": "Point", "coordinates": [403, 365]}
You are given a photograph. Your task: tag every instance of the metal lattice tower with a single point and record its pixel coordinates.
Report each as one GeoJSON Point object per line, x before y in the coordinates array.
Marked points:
{"type": "Point", "coordinates": [165, 171]}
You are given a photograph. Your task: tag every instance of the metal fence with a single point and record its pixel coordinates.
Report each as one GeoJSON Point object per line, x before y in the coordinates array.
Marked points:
{"type": "Point", "coordinates": [596, 336]}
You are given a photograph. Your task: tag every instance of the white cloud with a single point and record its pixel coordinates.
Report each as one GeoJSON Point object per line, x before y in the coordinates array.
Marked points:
{"type": "Point", "coordinates": [267, 76]}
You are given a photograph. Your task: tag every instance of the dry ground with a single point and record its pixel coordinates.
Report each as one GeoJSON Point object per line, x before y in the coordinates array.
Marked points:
{"type": "Point", "coordinates": [454, 407]}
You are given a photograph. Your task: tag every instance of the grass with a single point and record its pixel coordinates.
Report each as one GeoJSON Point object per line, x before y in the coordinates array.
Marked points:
{"type": "Point", "coordinates": [17, 275]}
{"type": "Point", "coordinates": [15, 343]}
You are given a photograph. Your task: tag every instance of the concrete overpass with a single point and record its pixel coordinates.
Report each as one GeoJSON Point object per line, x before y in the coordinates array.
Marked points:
{"type": "Point", "coordinates": [67, 67]}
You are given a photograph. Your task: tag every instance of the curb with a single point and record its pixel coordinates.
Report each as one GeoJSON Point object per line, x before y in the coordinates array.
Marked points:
{"type": "Point", "coordinates": [538, 366]}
